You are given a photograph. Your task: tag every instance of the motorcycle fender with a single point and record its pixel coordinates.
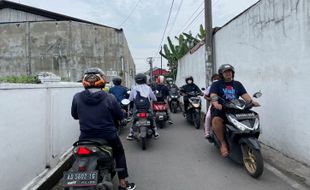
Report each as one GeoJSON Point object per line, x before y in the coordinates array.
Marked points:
{"type": "Point", "coordinates": [143, 132]}
{"type": "Point", "coordinates": [252, 142]}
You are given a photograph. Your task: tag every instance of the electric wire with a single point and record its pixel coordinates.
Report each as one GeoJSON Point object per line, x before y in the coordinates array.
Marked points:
{"type": "Point", "coordinates": [176, 17]}
{"type": "Point", "coordinates": [191, 17]}
{"type": "Point", "coordinates": [162, 38]}
{"type": "Point", "coordinates": [130, 14]}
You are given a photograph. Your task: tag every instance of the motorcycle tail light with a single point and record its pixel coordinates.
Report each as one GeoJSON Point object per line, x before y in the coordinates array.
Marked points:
{"type": "Point", "coordinates": [83, 151]}
{"type": "Point", "coordinates": [82, 168]}
{"type": "Point", "coordinates": [142, 115]}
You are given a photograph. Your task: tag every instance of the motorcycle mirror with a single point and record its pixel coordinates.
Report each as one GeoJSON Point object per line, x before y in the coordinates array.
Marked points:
{"type": "Point", "coordinates": [125, 102]}
{"type": "Point", "coordinates": [203, 89]}
{"type": "Point", "coordinates": [257, 94]}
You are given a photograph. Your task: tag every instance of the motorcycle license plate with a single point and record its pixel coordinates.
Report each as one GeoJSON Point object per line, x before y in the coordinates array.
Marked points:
{"type": "Point", "coordinates": [143, 122]}
{"type": "Point", "coordinates": [80, 179]}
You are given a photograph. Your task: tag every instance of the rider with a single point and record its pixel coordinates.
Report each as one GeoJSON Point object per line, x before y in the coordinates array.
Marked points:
{"type": "Point", "coordinates": [226, 89]}
{"type": "Point", "coordinates": [190, 86]}
{"type": "Point", "coordinates": [96, 111]}
{"type": "Point", "coordinates": [163, 93]}
{"type": "Point", "coordinates": [146, 92]}
{"type": "Point", "coordinates": [119, 91]}
{"type": "Point", "coordinates": [170, 84]}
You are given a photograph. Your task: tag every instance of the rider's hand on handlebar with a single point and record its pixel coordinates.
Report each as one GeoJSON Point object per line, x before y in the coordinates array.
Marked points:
{"type": "Point", "coordinates": [255, 104]}
{"type": "Point", "coordinates": [218, 106]}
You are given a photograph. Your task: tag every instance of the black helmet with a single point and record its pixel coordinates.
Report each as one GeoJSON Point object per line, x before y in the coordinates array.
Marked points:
{"type": "Point", "coordinates": [94, 78]}
{"type": "Point", "coordinates": [224, 68]}
{"type": "Point", "coordinates": [117, 81]}
{"type": "Point", "coordinates": [189, 78]}
{"type": "Point", "coordinates": [140, 78]}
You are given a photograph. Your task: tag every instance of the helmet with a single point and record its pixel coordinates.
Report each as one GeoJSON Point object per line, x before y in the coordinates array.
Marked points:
{"type": "Point", "coordinates": [160, 79]}
{"type": "Point", "coordinates": [140, 78]}
{"type": "Point", "coordinates": [117, 81]}
{"type": "Point", "coordinates": [224, 68]}
{"type": "Point", "coordinates": [168, 80]}
{"type": "Point", "coordinates": [189, 78]}
{"type": "Point", "coordinates": [94, 78]}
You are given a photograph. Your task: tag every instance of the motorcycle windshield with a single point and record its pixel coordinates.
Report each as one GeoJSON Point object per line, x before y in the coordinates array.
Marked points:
{"type": "Point", "coordinates": [236, 104]}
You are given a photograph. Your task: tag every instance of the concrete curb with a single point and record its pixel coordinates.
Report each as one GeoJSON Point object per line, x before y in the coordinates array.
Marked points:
{"type": "Point", "coordinates": [289, 167]}
{"type": "Point", "coordinates": [50, 177]}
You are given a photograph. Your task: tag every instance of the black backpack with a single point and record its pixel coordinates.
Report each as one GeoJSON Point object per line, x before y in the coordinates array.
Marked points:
{"type": "Point", "coordinates": [141, 102]}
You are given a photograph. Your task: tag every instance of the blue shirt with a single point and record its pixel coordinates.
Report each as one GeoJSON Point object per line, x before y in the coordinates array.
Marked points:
{"type": "Point", "coordinates": [227, 90]}
{"type": "Point", "coordinates": [119, 92]}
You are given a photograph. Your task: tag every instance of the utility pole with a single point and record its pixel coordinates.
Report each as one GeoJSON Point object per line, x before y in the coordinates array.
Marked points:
{"type": "Point", "coordinates": [209, 66]}
{"type": "Point", "coordinates": [150, 61]}
{"type": "Point", "coordinates": [161, 61]}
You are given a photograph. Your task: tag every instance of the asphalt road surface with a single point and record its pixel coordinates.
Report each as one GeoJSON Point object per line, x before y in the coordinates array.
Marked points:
{"type": "Point", "coordinates": [181, 159]}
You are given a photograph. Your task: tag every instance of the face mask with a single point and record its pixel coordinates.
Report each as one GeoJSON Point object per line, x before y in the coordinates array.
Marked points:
{"type": "Point", "coordinates": [190, 81]}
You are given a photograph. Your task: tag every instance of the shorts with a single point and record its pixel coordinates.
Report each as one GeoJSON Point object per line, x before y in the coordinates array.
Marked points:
{"type": "Point", "coordinates": [217, 113]}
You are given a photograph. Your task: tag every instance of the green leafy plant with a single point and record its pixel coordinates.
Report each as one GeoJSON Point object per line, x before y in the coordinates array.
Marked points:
{"type": "Point", "coordinates": [19, 79]}
{"type": "Point", "coordinates": [172, 53]}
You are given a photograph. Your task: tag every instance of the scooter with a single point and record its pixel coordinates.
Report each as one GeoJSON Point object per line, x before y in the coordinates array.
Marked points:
{"type": "Point", "coordinates": [143, 127]}
{"type": "Point", "coordinates": [93, 168]}
{"type": "Point", "coordinates": [242, 132]}
{"type": "Point", "coordinates": [173, 101]}
{"type": "Point", "coordinates": [193, 111]}
{"type": "Point", "coordinates": [121, 124]}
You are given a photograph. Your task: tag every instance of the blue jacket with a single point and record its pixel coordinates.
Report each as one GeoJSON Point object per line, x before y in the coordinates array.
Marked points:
{"type": "Point", "coordinates": [96, 113]}
{"type": "Point", "coordinates": [119, 92]}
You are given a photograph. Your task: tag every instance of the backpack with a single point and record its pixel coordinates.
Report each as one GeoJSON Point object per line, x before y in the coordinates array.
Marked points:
{"type": "Point", "coordinates": [141, 102]}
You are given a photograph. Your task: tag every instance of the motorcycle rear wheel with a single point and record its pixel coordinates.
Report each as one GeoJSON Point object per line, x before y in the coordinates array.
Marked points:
{"type": "Point", "coordinates": [253, 161]}
{"type": "Point", "coordinates": [143, 143]}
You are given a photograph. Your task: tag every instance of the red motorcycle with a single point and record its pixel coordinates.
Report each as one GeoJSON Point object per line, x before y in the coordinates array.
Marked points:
{"type": "Point", "coordinates": [160, 112]}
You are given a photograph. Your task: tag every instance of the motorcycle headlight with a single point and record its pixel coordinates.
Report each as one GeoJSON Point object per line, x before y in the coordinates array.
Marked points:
{"type": "Point", "coordinates": [238, 124]}
{"type": "Point", "coordinates": [256, 124]}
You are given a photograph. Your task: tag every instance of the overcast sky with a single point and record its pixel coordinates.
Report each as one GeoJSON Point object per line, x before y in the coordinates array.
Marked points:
{"type": "Point", "coordinates": [147, 19]}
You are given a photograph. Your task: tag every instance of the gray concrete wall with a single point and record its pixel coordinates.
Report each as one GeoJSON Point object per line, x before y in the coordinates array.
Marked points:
{"type": "Point", "coordinates": [65, 48]}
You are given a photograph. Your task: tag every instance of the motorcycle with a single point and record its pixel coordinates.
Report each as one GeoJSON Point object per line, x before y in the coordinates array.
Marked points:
{"type": "Point", "coordinates": [93, 168]}
{"type": "Point", "coordinates": [121, 124]}
{"type": "Point", "coordinates": [173, 101]}
{"type": "Point", "coordinates": [143, 127]}
{"type": "Point", "coordinates": [242, 132]}
{"type": "Point", "coordinates": [193, 111]}
{"type": "Point", "coordinates": [160, 109]}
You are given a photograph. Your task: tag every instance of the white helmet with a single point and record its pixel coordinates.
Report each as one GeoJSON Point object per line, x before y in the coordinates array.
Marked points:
{"type": "Point", "coordinates": [160, 79]}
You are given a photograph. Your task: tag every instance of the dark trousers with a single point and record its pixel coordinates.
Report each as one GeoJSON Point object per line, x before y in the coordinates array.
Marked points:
{"type": "Point", "coordinates": [118, 152]}
{"type": "Point", "coordinates": [186, 103]}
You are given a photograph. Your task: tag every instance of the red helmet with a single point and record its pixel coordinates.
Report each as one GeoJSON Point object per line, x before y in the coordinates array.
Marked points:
{"type": "Point", "coordinates": [94, 78]}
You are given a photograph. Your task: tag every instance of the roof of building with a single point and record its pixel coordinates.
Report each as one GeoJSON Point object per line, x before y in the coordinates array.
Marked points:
{"type": "Point", "coordinates": [56, 16]}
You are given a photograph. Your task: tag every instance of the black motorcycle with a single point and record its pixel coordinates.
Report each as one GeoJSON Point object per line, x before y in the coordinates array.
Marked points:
{"type": "Point", "coordinates": [173, 100]}
{"type": "Point", "coordinates": [193, 112]}
{"type": "Point", "coordinates": [242, 132]}
{"type": "Point", "coordinates": [121, 124]}
{"type": "Point", "coordinates": [93, 168]}
{"type": "Point", "coordinates": [143, 127]}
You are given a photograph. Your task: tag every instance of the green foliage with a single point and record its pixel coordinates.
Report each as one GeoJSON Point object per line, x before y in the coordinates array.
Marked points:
{"type": "Point", "coordinates": [19, 79]}
{"type": "Point", "coordinates": [173, 52]}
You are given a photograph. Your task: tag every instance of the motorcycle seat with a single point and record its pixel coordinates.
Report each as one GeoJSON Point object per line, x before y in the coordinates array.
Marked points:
{"type": "Point", "coordinates": [96, 142]}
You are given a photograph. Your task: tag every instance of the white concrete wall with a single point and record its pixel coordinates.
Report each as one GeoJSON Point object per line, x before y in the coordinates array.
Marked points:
{"type": "Point", "coordinates": [269, 46]}
{"type": "Point", "coordinates": [36, 128]}
{"type": "Point", "coordinates": [193, 65]}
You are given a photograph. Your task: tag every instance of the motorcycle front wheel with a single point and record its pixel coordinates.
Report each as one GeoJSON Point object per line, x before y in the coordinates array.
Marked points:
{"type": "Point", "coordinates": [196, 120]}
{"type": "Point", "coordinates": [253, 161]}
